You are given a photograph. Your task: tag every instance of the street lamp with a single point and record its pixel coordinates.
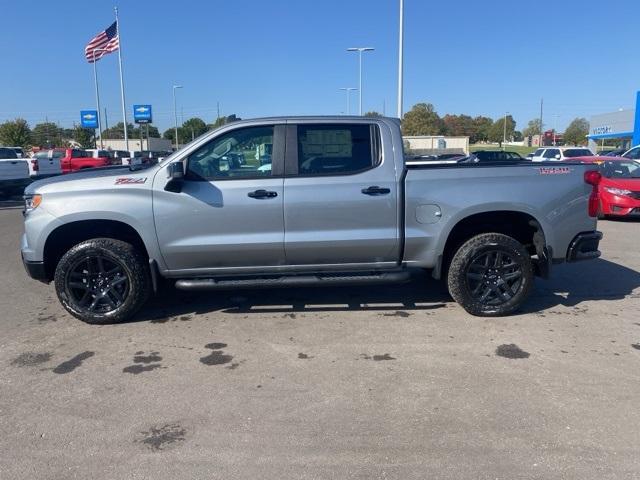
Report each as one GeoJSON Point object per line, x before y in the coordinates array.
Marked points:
{"type": "Point", "coordinates": [400, 59]}
{"type": "Point", "coordinates": [175, 112]}
{"type": "Point", "coordinates": [348, 90]}
{"type": "Point", "coordinates": [360, 50]}
{"type": "Point", "coordinates": [504, 135]}
{"type": "Point", "coordinates": [95, 77]}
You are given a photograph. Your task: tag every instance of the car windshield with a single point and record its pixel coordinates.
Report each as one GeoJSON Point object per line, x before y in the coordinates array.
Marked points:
{"type": "Point", "coordinates": [578, 152]}
{"type": "Point", "coordinates": [617, 169]}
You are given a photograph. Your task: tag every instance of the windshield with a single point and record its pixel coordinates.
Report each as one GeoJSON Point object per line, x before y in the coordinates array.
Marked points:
{"type": "Point", "coordinates": [617, 169]}
{"type": "Point", "coordinates": [578, 152]}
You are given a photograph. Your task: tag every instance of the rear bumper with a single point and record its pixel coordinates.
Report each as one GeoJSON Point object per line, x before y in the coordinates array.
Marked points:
{"type": "Point", "coordinates": [584, 246]}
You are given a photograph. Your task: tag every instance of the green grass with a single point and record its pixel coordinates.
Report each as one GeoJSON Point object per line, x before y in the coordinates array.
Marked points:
{"type": "Point", "coordinates": [523, 151]}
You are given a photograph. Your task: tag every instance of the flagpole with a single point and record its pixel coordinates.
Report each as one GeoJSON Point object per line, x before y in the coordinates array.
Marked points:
{"type": "Point", "coordinates": [95, 78]}
{"type": "Point", "coordinates": [124, 110]}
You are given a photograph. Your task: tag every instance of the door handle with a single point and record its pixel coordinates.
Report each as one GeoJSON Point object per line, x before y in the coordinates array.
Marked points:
{"type": "Point", "coordinates": [375, 190]}
{"type": "Point", "coordinates": [262, 194]}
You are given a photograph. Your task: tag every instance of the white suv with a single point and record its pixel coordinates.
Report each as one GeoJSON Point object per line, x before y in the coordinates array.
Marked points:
{"type": "Point", "coordinates": [557, 154]}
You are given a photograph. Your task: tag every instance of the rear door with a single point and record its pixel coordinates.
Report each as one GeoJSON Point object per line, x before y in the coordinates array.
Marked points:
{"type": "Point", "coordinates": [341, 196]}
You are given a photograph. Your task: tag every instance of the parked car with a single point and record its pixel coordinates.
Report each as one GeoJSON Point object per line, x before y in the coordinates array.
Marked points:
{"type": "Point", "coordinates": [339, 207]}
{"type": "Point", "coordinates": [14, 172]}
{"type": "Point", "coordinates": [46, 163]}
{"type": "Point", "coordinates": [632, 153]}
{"type": "Point", "coordinates": [618, 152]}
{"type": "Point", "coordinates": [555, 154]}
{"type": "Point", "coordinates": [619, 189]}
{"type": "Point", "coordinates": [74, 159]}
{"type": "Point", "coordinates": [19, 151]}
{"type": "Point", "coordinates": [497, 156]}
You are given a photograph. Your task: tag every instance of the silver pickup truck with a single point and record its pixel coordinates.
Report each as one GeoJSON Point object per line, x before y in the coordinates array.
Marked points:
{"type": "Point", "coordinates": [305, 201]}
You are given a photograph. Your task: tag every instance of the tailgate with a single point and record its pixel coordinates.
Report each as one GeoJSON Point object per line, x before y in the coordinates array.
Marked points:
{"type": "Point", "coordinates": [14, 169]}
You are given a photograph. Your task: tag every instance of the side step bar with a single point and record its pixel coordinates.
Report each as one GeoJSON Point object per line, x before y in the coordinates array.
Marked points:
{"type": "Point", "coordinates": [329, 280]}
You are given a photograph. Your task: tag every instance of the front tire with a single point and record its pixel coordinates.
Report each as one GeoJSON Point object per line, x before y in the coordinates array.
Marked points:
{"type": "Point", "coordinates": [102, 280]}
{"type": "Point", "coordinates": [490, 275]}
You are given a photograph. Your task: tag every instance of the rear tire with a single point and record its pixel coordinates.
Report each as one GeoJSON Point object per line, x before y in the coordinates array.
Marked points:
{"type": "Point", "coordinates": [490, 275]}
{"type": "Point", "coordinates": [102, 281]}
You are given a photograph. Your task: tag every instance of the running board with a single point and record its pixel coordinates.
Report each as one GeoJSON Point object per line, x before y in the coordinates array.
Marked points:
{"type": "Point", "coordinates": [328, 280]}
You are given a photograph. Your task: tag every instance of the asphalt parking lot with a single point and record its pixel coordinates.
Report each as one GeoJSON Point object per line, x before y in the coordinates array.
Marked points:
{"type": "Point", "coordinates": [388, 382]}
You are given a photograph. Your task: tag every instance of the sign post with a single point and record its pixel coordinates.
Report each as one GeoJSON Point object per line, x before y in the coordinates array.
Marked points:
{"type": "Point", "coordinates": [142, 114]}
{"type": "Point", "coordinates": [89, 119]}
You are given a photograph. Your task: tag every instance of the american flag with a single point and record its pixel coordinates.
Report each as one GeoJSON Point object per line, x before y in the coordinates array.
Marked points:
{"type": "Point", "coordinates": [107, 40]}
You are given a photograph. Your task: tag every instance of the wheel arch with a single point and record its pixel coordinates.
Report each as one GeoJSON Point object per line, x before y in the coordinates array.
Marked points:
{"type": "Point", "coordinates": [522, 226]}
{"type": "Point", "coordinates": [65, 236]}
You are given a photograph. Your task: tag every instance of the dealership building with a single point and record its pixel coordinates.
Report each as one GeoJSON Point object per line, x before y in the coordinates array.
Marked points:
{"type": "Point", "coordinates": [623, 125]}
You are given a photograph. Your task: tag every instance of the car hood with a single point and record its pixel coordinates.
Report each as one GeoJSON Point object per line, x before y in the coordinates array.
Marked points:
{"type": "Point", "coordinates": [632, 184]}
{"type": "Point", "coordinates": [104, 172]}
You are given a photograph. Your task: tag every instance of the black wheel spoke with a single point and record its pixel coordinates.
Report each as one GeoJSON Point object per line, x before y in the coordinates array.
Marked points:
{"type": "Point", "coordinates": [494, 277]}
{"type": "Point", "coordinates": [97, 284]}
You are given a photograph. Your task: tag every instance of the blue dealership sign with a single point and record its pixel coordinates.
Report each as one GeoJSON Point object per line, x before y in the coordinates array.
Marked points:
{"type": "Point", "coordinates": [89, 118]}
{"type": "Point", "coordinates": [142, 114]}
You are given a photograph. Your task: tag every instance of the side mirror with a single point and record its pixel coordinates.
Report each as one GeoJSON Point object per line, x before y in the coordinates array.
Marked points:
{"type": "Point", "coordinates": [176, 177]}
{"type": "Point", "coordinates": [557, 157]}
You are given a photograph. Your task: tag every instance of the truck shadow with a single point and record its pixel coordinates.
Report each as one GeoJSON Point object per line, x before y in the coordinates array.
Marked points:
{"type": "Point", "coordinates": [571, 284]}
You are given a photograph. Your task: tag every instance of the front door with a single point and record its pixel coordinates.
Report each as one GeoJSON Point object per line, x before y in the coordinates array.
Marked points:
{"type": "Point", "coordinates": [229, 214]}
{"type": "Point", "coordinates": [341, 196]}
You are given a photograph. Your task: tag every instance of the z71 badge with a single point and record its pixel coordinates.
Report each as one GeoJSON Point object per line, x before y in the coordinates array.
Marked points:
{"type": "Point", "coordinates": [130, 180]}
{"type": "Point", "coordinates": [554, 170]}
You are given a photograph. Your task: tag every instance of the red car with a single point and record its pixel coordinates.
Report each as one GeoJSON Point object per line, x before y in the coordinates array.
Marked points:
{"type": "Point", "coordinates": [619, 188]}
{"type": "Point", "coordinates": [74, 159]}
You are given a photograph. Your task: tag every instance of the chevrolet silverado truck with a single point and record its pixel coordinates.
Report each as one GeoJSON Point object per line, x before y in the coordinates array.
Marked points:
{"type": "Point", "coordinates": [334, 203]}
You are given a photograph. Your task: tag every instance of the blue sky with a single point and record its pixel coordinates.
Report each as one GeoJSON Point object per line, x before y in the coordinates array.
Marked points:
{"type": "Point", "coordinates": [283, 57]}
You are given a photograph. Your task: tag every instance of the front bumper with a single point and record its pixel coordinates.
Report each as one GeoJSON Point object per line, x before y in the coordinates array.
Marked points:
{"type": "Point", "coordinates": [584, 246]}
{"type": "Point", "coordinates": [36, 270]}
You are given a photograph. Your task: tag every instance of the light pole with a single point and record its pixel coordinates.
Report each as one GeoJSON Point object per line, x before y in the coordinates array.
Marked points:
{"type": "Point", "coordinates": [95, 78]}
{"type": "Point", "coordinates": [360, 50]}
{"type": "Point", "coordinates": [400, 59]}
{"type": "Point", "coordinates": [504, 134]}
{"type": "Point", "coordinates": [348, 90]}
{"type": "Point", "coordinates": [555, 126]}
{"type": "Point", "coordinates": [175, 112]}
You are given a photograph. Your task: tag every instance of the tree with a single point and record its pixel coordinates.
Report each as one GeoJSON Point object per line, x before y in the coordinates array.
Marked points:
{"type": "Point", "coordinates": [373, 114]}
{"type": "Point", "coordinates": [222, 121]}
{"type": "Point", "coordinates": [47, 134]}
{"type": "Point", "coordinates": [15, 133]}
{"type": "Point", "coordinates": [533, 128]}
{"type": "Point", "coordinates": [194, 127]}
{"type": "Point", "coordinates": [84, 136]}
{"type": "Point", "coordinates": [481, 127]}
{"type": "Point", "coordinates": [497, 132]}
{"type": "Point", "coordinates": [422, 119]}
{"type": "Point", "coordinates": [458, 125]}
{"type": "Point", "coordinates": [577, 131]}
{"type": "Point", "coordinates": [117, 131]}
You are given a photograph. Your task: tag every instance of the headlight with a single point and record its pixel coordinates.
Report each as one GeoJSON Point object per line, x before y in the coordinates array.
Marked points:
{"type": "Point", "coordinates": [617, 191]}
{"type": "Point", "coordinates": [31, 202]}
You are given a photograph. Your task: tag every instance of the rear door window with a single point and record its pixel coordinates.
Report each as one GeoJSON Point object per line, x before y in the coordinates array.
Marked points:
{"type": "Point", "coordinates": [335, 149]}
{"type": "Point", "coordinates": [577, 152]}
